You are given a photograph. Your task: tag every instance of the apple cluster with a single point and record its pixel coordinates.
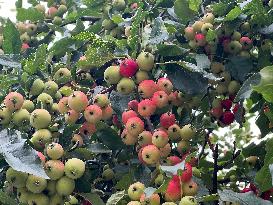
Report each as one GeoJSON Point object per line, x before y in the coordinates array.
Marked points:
{"type": "Point", "coordinates": [29, 30]}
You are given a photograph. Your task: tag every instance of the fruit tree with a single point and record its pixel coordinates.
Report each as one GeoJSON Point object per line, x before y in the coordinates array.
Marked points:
{"type": "Point", "coordinates": [137, 102]}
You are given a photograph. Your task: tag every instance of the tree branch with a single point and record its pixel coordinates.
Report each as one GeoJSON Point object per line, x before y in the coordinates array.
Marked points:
{"type": "Point", "coordinates": [215, 170]}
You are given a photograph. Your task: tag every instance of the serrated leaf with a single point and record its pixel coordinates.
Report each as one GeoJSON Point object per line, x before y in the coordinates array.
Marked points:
{"type": "Point", "coordinates": [233, 14]}
{"type": "Point", "coordinates": [158, 32]}
{"type": "Point", "coordinates": [183, 11]}
{"type": "Point", "coordinates": [195, 5]}
{"type": "Point", "coordinates": [19, 155]}
{"type": "Point", "coordinates": [211, 35]}
{"type": "Point", "coordinates": [98, 148]}
{"type": "Point", "coordinates": [11, 39]}
{"type": "Point", "coordinates": [266, 84]}
{"type": "Point", "coordinates": [172, 170]}
{"type": "Point", "coordinates": [31, 14]}
{"type": "Point", "coordinates": [62, 46]}
{"type": "Point", "coordinates": [116, 197]}
{"type": "Point", "coordinates": [108, 136]}
{"type": "Point", "coordinates": [92, 198]}
{"type": "Point", "coordinates": [170, 50]}
{"type": "Point", "coordinates": [125, 182]}
{"type": "Point", "coordinates": [246, 89]}
{"type": "Point", "coordinates": [239, 67]}
{"type": "Point", "coordinates": [5, 199]}
{"type": "Point", "coordinates": [11, 60]}
{"type": "Point", "coordinates": [119, 102]}
{"type": "Point", "coordinates": [248, 198]}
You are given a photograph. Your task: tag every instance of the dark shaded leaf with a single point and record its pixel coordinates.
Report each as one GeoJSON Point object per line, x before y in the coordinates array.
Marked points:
{"type": "Point", "coordinates": [115, 198]}
{"type": "Point", "coordinates": [183, 11]}
{"type": "Point", "coordinates": [92, 198]}
{"type": "Point", "coordinates": [31, 14]}
{"type": "Point", "coordinates": [11, 43]}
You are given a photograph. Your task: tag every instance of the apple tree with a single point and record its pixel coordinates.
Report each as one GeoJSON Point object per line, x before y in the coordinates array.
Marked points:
{"type": "Point", "coordinates": [137, 102]}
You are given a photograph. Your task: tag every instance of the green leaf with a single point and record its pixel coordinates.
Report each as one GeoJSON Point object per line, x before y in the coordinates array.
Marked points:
{"type": "Point", "coordinates": [134, 38]}
{"type": "Point", "coordinates": [11, 43]}
{"type": "Point", "coordinates": [211, 35]}
{"type": "Point", "coordinates": [266, 84]}
{"type": "Point", "coordinates": [183, 11]}
{"type": "Point", "coordinates": [248, 198]}
{"type": "Point", "coordinates": [246, 89]}
{"type": "Point", "coordinates": [79, 27]}
{"type": "Point", "coordinates": [125, 182]}
{"type": "Point", "coordinates": [195, 5]}
{"type": "Point", "coordinates": [98, 148]}
{"type": "Point", "coordinates": [108, 136]}
{"type": "Point", "coordinates": [117, 18]}
{"type": "Point", "coordinates": [233, 14]}
{"type": "Point", "coordinates": [5, 199]}
{"type": "Point", "coordinates": [170, 50]}
{"type": "Point", "coordinates": [116, 197]}
{"type": "Point", "coordinates": [239, 67]}
{"type": "Point", "coordinates": [31, 14]}
{"type": "Point", "coordinates": [92, 198]}
{"type": "Point", "coordinates": [62, 46]}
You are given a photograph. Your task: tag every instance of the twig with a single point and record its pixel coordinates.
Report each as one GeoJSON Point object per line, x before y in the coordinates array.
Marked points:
{"type": "Point", "coordinates": [234, 156]}
{"type": "Point", "coordinates": [215, 170]}
{"type": "Point", "coordinates": [204, 145]}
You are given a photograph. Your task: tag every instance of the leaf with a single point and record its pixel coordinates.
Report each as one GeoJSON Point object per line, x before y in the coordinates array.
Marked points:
{"type": "Point", "coordinates": [119, 102]}
{"type": "Point", "coordinates": [182, 10]}
{"type": "Point", "coordinates": [239, 67]}
{"type": "Point", "coordinates": [233, 14]}
{"type": "Point", "coordinates": [115, 198]}
{"type": "Point", "coordinates": [211, 35]}
{"type": "Point", "coordinates": [170, 50]}
{"type": "Point", "coordinates": [11, 60]}
{"type": "Point", "coordinates": [267, 30]}
{"type": "Point", "coordinates": [149, 191]}
{"type": "Point", "coordinates": [184, 79]}
{"type": "Point", "coordinates": [79, 27]}
{"type": "Point", "coordinates": [5, 199]}
{"type": "Point", "coordinates": [266, 84]}
{"type": "Point", "coordinates": [19, 155]}
{"type": "Point", "coordinates": [159, 32]}
{"type": "Point", "coordinates": [108, 136]}
{"type": "Point", "coordinates": [172, 170]}
{"type": "Point", "coordinates": [11, 39]}
{"type": "Point", "coordinates": [195, 5]}
{"type": "Point", "coordinates": [133, 39]}
{"type": "Point", "coordinates": [246, 89]}
{"type": "Point", "coordinates": [62, 46]}
{"type": "Point", "coordinates": [37, 61]}
{"type": "Point", "coordinates": [98, 148]}
{"type": "Point", "coordinates": [125, 181]}
{"type": "Point", "coordinates": [248, 198]}
{"type": "Point", "coordinates": [31, 14]}
{"type": "Point", "coordinates": [92, 198]}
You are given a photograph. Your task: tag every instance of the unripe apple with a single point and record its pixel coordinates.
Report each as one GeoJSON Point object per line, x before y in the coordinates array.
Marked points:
{"type": "Point", "coordinates": [252, 160]}
{"type": "Point", "coordinates": [112, 75]}
{"type": "Point", "coordinates": [78, 101]}
{"type": "Point", "coordinates": [71, 117]}
{"type": "Point", "coordinates": [37, 87]}
{"type": "Point", "coordinates": [40, 8]}
{"type": "Point", "coordinates": [208, 18]}
{"type": "Point", "coordinates": [174, 133]}
{"type": "Point", "coordinates": [188, 200]}
{"type": "Point", "coordinates": [160, 138]}
{"type": "Point", "coordinates": [62, 76]}
{"type": "Point", "coordinates": [119, 5]}
{"type": "Point", "coordinates": [101, 100]}
{"type": "Point", "coordinates": [190, 188]}
{"type": "Point", "coordinates": [45, 100]}
{"type": "Point", "coordinates": [40, 118]}
{"type": "Point", "coordinates": [5, 116]}
{"type": "Point", "coordinates": [233, 87]}
{"type": "Point", "coordinates": [165, 151]}
{"type": "Point", "coordinates": [61, 10]}
{"type": "Point", "coordinates": [141, 75]}
{"type": "Point", "coordinates": [65, 186]}
{"type": "Point", "coordinates": [40, 138]}
{"type": "Point", "coordinates": [31, 29]}
{"type": "Point", "coordinates": [54, 169]}
{"type": "Point", "coordinates": [74, 168]}
{"type": "Point", "coordinates": [21, 117]}
{"type": "Point", "coordinates": [145, 61]}
{"type": "Point", "coordinates": [108, 174]}
{"type": "Point", "coordinates": [183, 146]}
{"type": "Point", "coordinates": [38, 199]}
{"type": "Point", "coordinates": [206, 27]}
{"type": "Point", "coordinates": [28, 105]}
{"type": "Point", "coordinates": [136, 190]}
{"type": "Point", "coordinates": [197, 26]}
{"type": "Point", "coordinates": [23, 195]}
{"type": "Point", "coordinates": [145, 138]}
{"type": "Point", "coordinates": [25, 38]}
{"type": "Point", "coordinates": [57, 20]}
{"type": "Point", "coordinates": [51, 88]}
{"type": "Point", "coordinates": [217, 67]}
{"type": "Point", "coordinates": [134, 203]}
{"type": "Point", "coordinates": [125, 86]}
{"type": "Point", "coordinates": [108, 24]}
{"type": "Point", "coordinates": [54, 151]}
{"type": "Point", "coordinates": [16, 178]}
{"type": "Point", "coordinates": [36, 184]}
{"type": "Point", "coordinates": [50, 189]}
{"type": "Point", "coordinates": [56, 200]}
